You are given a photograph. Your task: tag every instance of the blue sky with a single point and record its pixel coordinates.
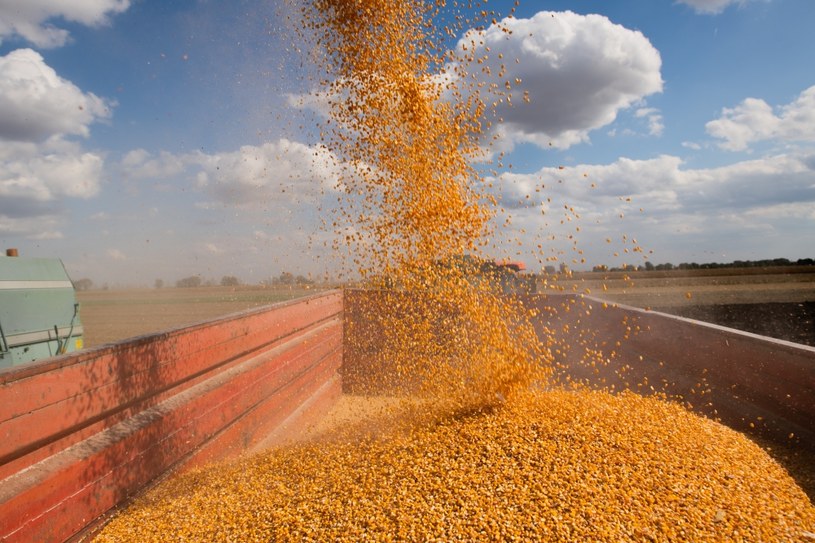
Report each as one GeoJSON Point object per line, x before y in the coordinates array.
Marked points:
{"type": "Point", "coordinates": [144, 140]}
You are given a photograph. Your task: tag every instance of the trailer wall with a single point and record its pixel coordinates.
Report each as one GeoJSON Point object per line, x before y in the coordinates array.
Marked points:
{"type": "Point", "coordinates": [752, 383]}
{"type": "Point", "coordinates": [81, 433]}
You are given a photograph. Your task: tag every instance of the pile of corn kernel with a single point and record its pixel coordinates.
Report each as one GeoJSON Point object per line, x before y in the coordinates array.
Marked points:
{"type": "Point", "coordinates": [545, 466]}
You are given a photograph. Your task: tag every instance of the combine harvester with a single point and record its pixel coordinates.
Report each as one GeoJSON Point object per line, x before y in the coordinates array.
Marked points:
{"type": "Point", "coordinates": [39, 316]}
{"type": "Point", "coordinates": [84, 432]}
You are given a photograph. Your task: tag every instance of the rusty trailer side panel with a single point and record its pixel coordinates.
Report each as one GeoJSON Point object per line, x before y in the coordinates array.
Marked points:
{"type": "Point", "coordinates": [752, 383]}
{"type": "Point", "coordinates": [755, 384]}
{"type": "Point", "coordinates": [83, 432]}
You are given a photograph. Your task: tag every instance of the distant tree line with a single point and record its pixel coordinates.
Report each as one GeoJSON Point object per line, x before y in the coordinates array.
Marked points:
{"type": "Point", "coordinates": [285, 278]}
{"type": "Point", "coordinates": [767, 263]}
{"type": "Point", "coordinates": [196, 281]}
{"type": "Point", "coordinates": [192, 281]}
{"type": "Point", "coordinates": [288, 278]}
{"type": "Point", "coordinates": [230, 281]}
{"type": "Point", "coordinates": [189, 282]}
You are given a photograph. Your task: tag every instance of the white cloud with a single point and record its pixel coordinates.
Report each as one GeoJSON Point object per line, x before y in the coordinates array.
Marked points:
{"type": "Point", "coordinates": [655, 181]}
{"type": "Point", "coordinates": [39, 165]}
{"type": "Point", "coordinates": [283, 172]}
{"type": "Point", "coordinates": [45, 226]}
{"type": "Point", "coordinates": [47, 172]}
{"type": "Point", "coordinates": [578, 72]}
{"type": "Point", "coordinates": [140, 164]}
{"type": "Point", "coordinates": [663, 204]}
{"type": "Point", "coordinates": [710, 6]}
{"type": "Point", "coordinates": [36, 103]}
{"type": "Point", "coordinates": [29, 19]}
{"type": "Point", "coordinates": [35, 180]}
{"type": "Point", "coordinates": [799, 210]}
{"type": "Point", "coordinates": [654, 118]}
{"type": "Point", "coordinates": [47, 235]}
{"type": "Point", "coordinates": [317, 101]}
{"type": "Point", "coordinates": [212, 248]}
{"type": "Point", "coordinates": [662, 183]}
{"type": "Point", "coordinates": [116, 254]}
{"type": "Point", "coordinates": [259, 206]}
{"type": "Point", "coordinates": [755, 120]}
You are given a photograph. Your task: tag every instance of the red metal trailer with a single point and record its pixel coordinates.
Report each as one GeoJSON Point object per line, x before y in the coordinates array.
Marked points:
{"type": "Point", "coordinates": [84, 432]}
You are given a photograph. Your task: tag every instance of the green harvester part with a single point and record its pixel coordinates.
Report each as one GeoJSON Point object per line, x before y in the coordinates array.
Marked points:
{"type": "Point", "coordinates": [39, 314]}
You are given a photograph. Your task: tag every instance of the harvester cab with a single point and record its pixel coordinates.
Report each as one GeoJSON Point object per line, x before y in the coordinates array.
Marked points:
{"type": "Point", "coordinates": [39, 314]}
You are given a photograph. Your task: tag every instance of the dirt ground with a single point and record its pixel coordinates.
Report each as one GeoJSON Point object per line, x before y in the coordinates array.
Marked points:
{"type": "Point", "coordinates": [114, 315]}
{"type": "Point", "coordinates": [778, 303]}
{"type": "Point", "coordinates": [695, 287]}
{"type": "Point", "coordinates": [788, 321]}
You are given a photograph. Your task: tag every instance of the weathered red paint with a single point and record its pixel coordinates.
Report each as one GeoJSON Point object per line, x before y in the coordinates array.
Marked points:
{"type": "Point", "coordinates": [80, 434]}
{"type": "Point", "coordinates": [737, 377]}
{"type": "Point", "coordinates": [745, 378]}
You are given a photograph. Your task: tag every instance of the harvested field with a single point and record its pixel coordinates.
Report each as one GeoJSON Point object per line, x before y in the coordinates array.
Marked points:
{"type": "Point", "coordinates": [774, 302]}
{"type": "Point", "coordinates": [697, 287]}
{"type": "Point", "coordinates": [777, 302]}
{"type": "Point", "coordinates": [788, 321]}
{"type": "Point", "coordinates": [114, 315]}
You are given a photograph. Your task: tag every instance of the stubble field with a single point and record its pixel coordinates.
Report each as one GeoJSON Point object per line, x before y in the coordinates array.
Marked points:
{"type": "Point", "coordinates": [779, 302]}
{"type": "Point", "coordinates": [113, 315]}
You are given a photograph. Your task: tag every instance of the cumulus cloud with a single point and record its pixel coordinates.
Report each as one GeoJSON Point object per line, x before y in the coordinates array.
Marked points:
{"type": "Point", "coordinates": [548, 80]}
{"type": "Point", "coordinates": [116, 254]}
{"type": "Point", "coordinates": [663, 183]}
{"type": "Point", "coordinates": [47, 235]}
{"type": "Point", "coordinates": [799, 210]}
{"type": "Point", "coordinates": [655, 181]}
{"type": "Point", "coordinates": [316, 100]}
{"type": "Point", "coordinates": [40, 165]}
{"type": "Point", "coordinates": [29, 19]}
{"type": "Point", "coordinates": [35, 180]}
{"type": "Point", "coordinates": [282, 171]}
{"type": "Point", "coordinates": [577, 72]}
{"type": "Point", "coordinates": [654, 118]}
{"type": "Point", "coordinates": [140, 164]}
{"type": "Point", "coordinates": [36, 103]}
{"type": "Point", "coordinates": [755, 120]}
{"type": "Point", "coordinates": [710, 7]}
{"type": "Point", "coordinates": [665, 204]}
{"type": "Point", "coordinates": [44, 173]}
{"type": "Point", "coordinates": [266, 206]}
